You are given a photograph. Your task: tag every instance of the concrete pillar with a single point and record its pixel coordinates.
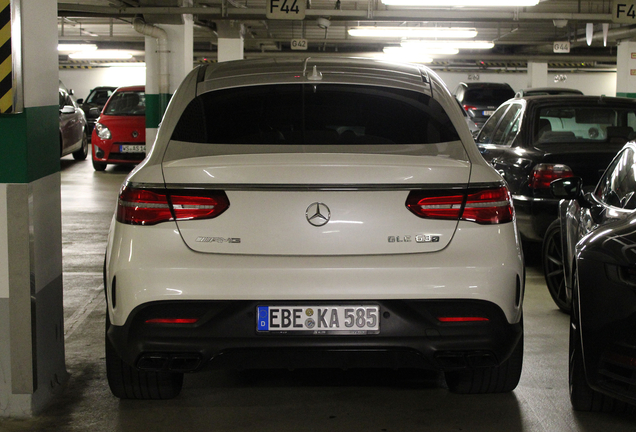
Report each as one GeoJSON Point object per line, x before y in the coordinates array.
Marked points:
{"type": "Point", "coordinates": [180, 49]}
{"type": "Point", "coordinates": [537, 75]}
{"type": "Point", "coordinates": [626, 69]}
{"type": "Point", "coordinates": [32, 367]}
{"type": "Point", "coordinates": [230, 40]}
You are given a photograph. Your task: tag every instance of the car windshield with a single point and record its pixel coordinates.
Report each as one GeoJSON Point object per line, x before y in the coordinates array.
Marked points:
{"type": "Point", "coordinates": [585, 124]}
{"type": "Point", "coordinates": [99, 96]}
{"type": "Point", "coordinates": [127, 103]}
{"type": "Point", "coordinates": [322, 114]}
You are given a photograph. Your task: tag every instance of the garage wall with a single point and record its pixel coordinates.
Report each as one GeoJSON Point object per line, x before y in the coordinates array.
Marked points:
{"type": "Point", "coordinates": [83, 80]}
{"type": "Point", "coordinates": [597, 83]}
{"type": "Point", "coordinates": [601, 83]}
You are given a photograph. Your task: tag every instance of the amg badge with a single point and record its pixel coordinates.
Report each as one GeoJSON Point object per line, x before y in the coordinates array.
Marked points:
{"type": "Point", "coordinates": [218, 240]}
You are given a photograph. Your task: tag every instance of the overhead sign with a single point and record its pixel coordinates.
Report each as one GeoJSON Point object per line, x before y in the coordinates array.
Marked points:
{"type": "Point", "coordinates": [624, 11]}
{"type": "Point", "coordinates": [562, 47]}
{"type": "Point", "coordinates": [286, 9]}
{"type": "Point", "coordinates": [299, 44]}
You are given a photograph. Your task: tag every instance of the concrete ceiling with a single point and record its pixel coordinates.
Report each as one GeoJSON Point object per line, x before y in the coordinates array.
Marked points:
{"type": "Point", "coordinates": [520, 34]}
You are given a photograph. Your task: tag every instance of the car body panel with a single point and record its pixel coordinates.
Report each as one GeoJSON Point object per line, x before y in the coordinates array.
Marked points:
{"type": "Point", "coordinates": [516, 153]}
{"type": "Point", "coordinates": [359, 257]}
{"type": "Point", "coordinates": [599, 243]}
{"type": "Point", "coordinates": [126, 129]}
{"type": "Point", "coordinates": [481, 99]}
{"type": "Point", "coordinates": [72, 123]}
{"type": "Point", "coordinates": [94, 103]}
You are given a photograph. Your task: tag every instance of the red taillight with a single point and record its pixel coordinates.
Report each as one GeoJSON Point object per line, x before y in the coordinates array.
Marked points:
{"type": "Point", "coordinates": [462, 319]}
{"type": "Point", "coordinates": [487, 206]}
{"type": "Point", "coordinates": [544, 174]}
{"type": "Point", "coordinates": [172, 321]}
{"type": "Point", "coordinates": [447, 206]}
{"type": "Point", "coordinates": [150, 207]}
{"type": "Point", "coordinates": [470, 107]}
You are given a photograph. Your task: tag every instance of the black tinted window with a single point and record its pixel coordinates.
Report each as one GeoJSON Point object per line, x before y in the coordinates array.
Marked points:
{"type": "Point", "coordinates": [488, 95]}
{"type": "Point", "coordinates": [314, 114]}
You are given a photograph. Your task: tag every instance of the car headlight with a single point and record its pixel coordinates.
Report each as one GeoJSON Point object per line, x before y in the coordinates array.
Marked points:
{"type": "Point", "coordinates": [102, 131]}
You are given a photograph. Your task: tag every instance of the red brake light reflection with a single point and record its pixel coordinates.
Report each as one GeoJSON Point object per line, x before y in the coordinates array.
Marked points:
{"type": "Point", "coordinates": [462, 319]}
{"type": "Point", "coordinates": [172, 321]}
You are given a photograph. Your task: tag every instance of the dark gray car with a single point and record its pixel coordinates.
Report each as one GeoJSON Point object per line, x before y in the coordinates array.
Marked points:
{"type": "Point", "coordinates": [481, 99]}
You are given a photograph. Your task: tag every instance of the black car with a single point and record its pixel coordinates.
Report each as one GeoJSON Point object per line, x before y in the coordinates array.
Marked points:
{"type": "Point", "coordinates": [94, 103]}
{"type": "Point", "coordinates": [599, 243]}
{"type": "Point", "coordinates": [481, 99]}
{"type": "Point", "coordinates": [534, 140]}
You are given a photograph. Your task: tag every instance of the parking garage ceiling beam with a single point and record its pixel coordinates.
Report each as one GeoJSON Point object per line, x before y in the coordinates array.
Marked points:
{"type": "Point", "coordinates": [77, 10]}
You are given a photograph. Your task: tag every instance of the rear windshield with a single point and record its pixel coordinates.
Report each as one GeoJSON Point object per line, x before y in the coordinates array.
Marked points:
{"type": "Point", "coordinates": [495, 95]}
{"type": "Point", "coordinates": [321, 114]}
{"type": "Point", "coordinates": [127, 103]}
{"type": "Point", "coordinates": [585, 124]}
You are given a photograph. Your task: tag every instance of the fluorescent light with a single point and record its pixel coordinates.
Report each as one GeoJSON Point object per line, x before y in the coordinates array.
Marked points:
{"type": "Point", "coordinates": [408, 57]}
{"type": "Point", "coordinates": [461, 3]}
{"type": "Point", "coordinates": [76, 47]}
{"type": "Point", "coordinates": [422, 44]}
{"type": "Point", "coordinates": [101, 55]}
{"type": "Point", "coordinates": [416, 51]}
{"type": "Point", "coordinates": [413, 32]}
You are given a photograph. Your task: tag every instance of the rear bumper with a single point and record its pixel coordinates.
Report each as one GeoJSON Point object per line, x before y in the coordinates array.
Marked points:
{"type": "Point", "coordinates": [226, 337]}
{"type": "Point", "coordinates": [109, 152]}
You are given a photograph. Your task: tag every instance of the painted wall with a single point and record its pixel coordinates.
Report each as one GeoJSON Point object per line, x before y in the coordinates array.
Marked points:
{"type": "Point", "coordinates": [81, 81]}
{"type": "Point", "coordinates": [601, 83]}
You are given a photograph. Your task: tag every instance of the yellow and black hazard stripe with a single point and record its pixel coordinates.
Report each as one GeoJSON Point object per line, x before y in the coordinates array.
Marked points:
{"type": "Point", "coordinates": [6, 75]}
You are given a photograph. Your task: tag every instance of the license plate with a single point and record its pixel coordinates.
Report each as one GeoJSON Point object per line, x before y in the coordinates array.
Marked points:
{"type": "Point", "coordinates": [319, 320]}
{"type": "Point", "coordinates": [488, 113]}
{"type": "Point", "coordinates": [132, 148]}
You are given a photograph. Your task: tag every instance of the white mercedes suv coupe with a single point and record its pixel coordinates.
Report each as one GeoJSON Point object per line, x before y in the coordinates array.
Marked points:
{"type": "Point", "coordinates": [313, 213]}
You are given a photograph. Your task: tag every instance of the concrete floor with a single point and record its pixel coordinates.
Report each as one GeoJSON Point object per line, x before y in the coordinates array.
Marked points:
{"type": "Point", "coordinates": [288, 401]}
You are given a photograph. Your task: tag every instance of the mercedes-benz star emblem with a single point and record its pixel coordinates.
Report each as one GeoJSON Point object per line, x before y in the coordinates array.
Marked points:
{"type": "Point", "coordinates": [135, 134]}
{"type": "Point", "coordinates": [318, 214]}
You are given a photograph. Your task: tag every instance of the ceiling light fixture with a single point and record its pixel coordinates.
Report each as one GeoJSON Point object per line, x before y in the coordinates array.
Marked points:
{"type": "Point", "coordinates": [418, 51]}
{"type": "Point", "coordinates": [413, 32]}
{"type": "Point", "coordinates": [407, 57]}
{"type": "Point", "coordinates": [422, 44]}
{"type": "Point", "coordinates": [76, 47]}
{"type": "Point", "coordinates": [461, 3]}
{"type": "Point", "coordinates": [101, 55]}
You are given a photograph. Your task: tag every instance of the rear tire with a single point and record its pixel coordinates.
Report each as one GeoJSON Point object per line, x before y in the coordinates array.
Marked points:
{"type": "Point", "coordinates": [99, 166]}
{"type": "Point", "coordinates": [127, 382]}
{"type": "Point", "coordinates": [83, 151]}
{"type": "Point", "coordinates": [582, 396]}
{"type": "Point", "coordinates": [553, 270]}
{"type": "Point", "coordinates": [497, 379]}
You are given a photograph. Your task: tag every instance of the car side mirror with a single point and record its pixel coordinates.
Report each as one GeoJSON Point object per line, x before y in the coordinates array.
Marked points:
{"type": "Point", "coordinates": [68, 109]}
{"type": "Point", "coordinates": [80, 101]}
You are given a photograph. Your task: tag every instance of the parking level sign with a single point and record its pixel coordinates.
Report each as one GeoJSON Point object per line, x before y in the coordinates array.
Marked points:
{"type": "Point", "coordinates": [286, 9]}
{"type": "Point", "coordinates": [624, 11]}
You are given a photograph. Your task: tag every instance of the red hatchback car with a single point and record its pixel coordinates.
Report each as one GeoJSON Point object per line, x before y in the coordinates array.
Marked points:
{"type": "Point", "coordinates": [119, 136]}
